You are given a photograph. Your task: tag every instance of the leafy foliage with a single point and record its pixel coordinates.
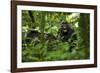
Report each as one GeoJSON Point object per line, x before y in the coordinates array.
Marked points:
{"type": "Point", "coordinates": [47, 46]}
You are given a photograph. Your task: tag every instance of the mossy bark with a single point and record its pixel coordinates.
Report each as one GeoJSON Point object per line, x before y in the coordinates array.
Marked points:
{"type": "Point", "coordinates": [84, 33]}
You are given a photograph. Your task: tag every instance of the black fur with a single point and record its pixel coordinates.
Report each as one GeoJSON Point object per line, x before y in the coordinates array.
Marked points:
{"type": "Point", "coordinates": [64, 36]}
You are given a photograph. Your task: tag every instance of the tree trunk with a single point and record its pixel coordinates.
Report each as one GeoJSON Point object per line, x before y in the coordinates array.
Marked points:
{"type": "Point", "coordinates": [84, 33]}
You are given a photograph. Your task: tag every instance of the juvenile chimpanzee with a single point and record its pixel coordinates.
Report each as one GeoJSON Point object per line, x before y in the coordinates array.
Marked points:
{"type": "Point", "coordinates": [66, 32]}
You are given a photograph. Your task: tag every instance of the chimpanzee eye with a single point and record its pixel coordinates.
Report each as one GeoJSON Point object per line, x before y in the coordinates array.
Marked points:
{"type": "Point", "coordinates": [64, 27]}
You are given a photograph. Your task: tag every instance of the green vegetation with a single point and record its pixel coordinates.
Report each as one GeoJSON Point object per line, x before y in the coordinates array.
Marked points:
{"type": "Point", "coordinates": [43, 48]}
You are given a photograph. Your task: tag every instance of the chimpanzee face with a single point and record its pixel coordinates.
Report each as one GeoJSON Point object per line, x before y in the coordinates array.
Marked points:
{"type": "Point", "coordinates": [64, 28]}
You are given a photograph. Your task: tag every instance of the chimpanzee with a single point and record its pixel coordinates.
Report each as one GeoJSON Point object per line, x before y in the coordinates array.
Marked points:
{"type": "Point", "coordinates": [35, 35]}
{"type": "Point", "coordinates": [66, 32]}
{"type": "Point", "coordinates": [30, 37]}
